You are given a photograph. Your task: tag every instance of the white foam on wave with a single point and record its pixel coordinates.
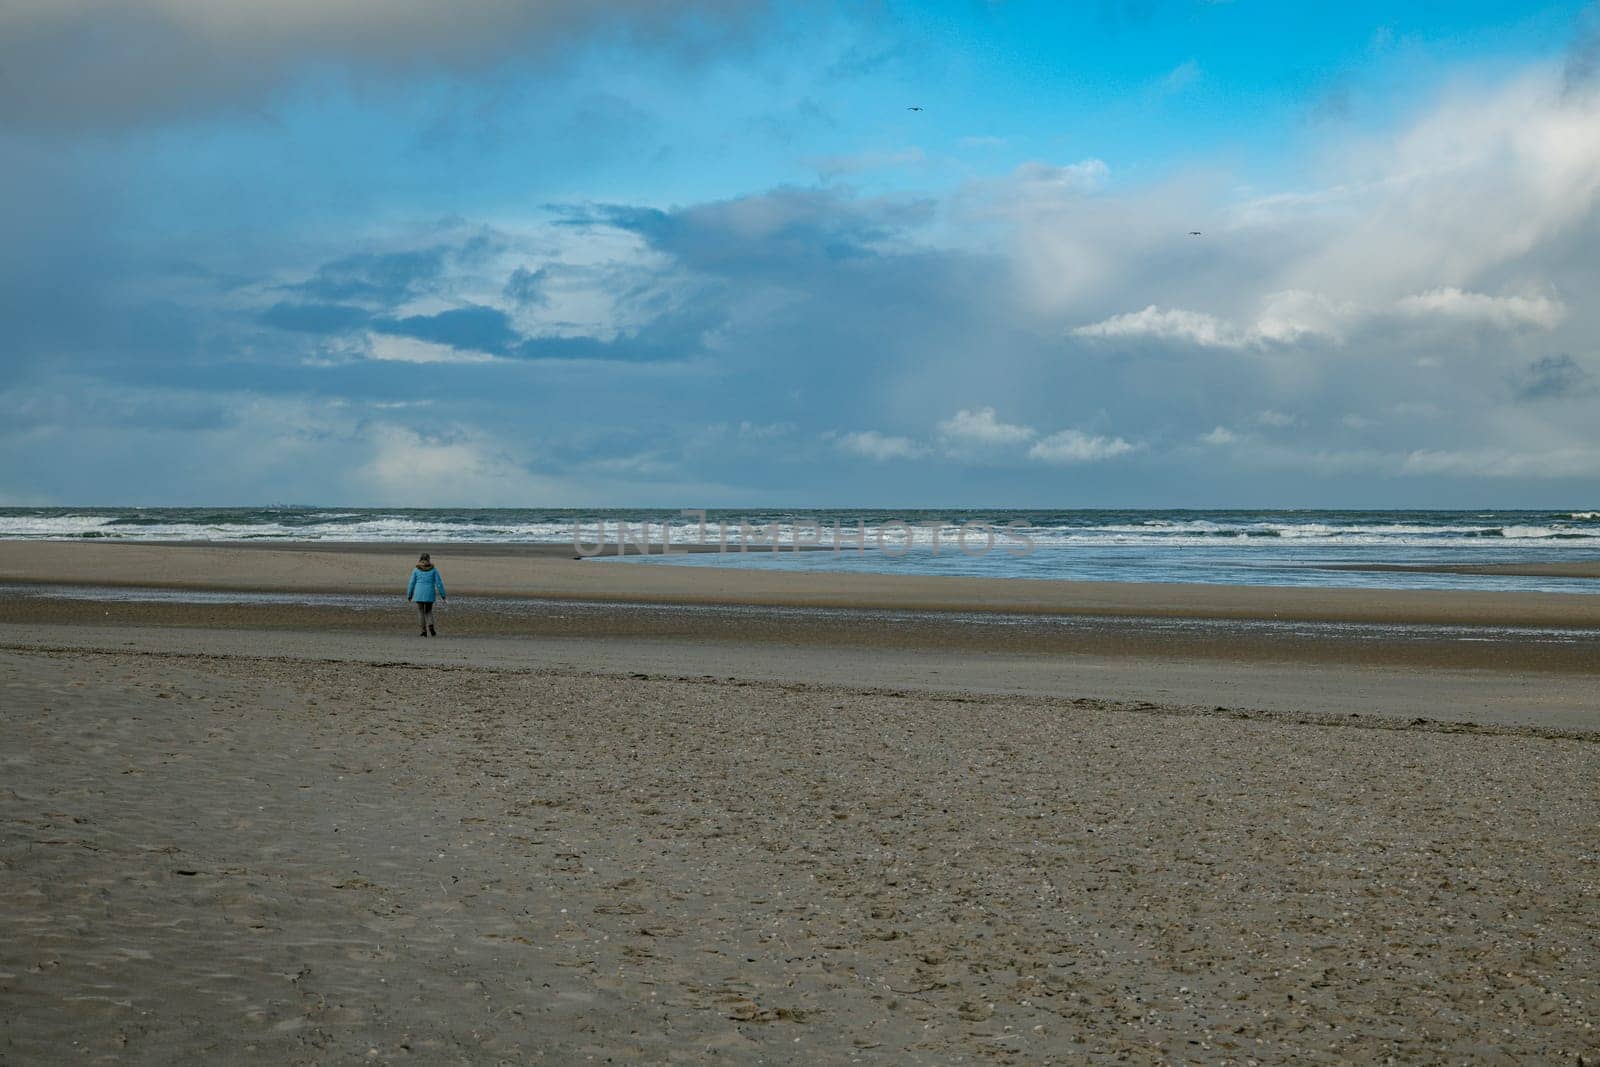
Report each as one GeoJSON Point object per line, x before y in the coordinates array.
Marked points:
{"type": "Point", "coordinates": [1534, 533]}
{"type": "Point", "coordinates": [1243, 534]}
{"type": "Point", "coordinates": [52, 526]}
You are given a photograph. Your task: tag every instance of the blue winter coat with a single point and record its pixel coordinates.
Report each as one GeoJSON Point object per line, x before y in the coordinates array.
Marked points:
{"type": "Point", "coordinates": [425, 585]}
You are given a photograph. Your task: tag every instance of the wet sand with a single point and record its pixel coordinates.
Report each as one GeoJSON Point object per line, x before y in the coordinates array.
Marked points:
{"type": "Point", "coordinates": [645, 832]}
{"type": "Point", "coordinates": [544, 571]}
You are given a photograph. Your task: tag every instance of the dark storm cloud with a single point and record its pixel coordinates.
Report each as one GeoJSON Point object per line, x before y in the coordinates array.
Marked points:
{"type": "Point", "coordinates": [780, 232]}
{"type": "Point", "coordinates": [476, 328]}
{"type": "Point", "coordinates": [526, 287]}
{"type": "Point", "coordinates": [100, 64]}
{"type": "Point", "coordinates": [486, 329]}
{"type": "Point", "coordinates": [387, 277]}
{"type": "Point", "coordinates": [1552, 377]}
{"type": "Point", "coordinates": [315, 318]}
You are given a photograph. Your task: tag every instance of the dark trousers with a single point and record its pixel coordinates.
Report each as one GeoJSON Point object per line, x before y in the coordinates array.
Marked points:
{"type": "Point", "coordinates": [425, 613]}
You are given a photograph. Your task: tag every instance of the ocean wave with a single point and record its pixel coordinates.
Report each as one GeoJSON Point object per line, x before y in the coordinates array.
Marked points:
{"type": "Point", "coordinates": [1537, 532]}
{"type": "Point", "coordinates": [1230, 531]}
{"type": "Point", "coordinates": [51, 526]}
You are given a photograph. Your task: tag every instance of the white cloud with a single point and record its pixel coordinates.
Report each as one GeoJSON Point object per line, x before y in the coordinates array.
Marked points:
{"type": "Point", "coordinates": [1403, 296]}
{"type": "Point", "coordinates": [1085, 176]}
{"type": "Point", "coordinates": [1487, 176]}
{"type": "Point", "coordinates": [1570, 462]}
{"type": "Point", "coordinates": [1410, 291]}
{"type": "Point", "coordinates": [1286, 316]}
{"type": "Point", "coordinates": [409, 468]}
{"type": "Point", "coordinates": [1074, 446]}
{"type": "Point", "coordinates": [982, 427]}
{"type": "Point", "coordinates": [1167, 324]}
{"type": "Point", "coordinates": [880, 447]}
{"type": "Point", "coordinates": [1291, 315]}
{"type": "Point", "coordinates": [410, 350]}
{"type": "Point", "coordinates": [1505, 312]}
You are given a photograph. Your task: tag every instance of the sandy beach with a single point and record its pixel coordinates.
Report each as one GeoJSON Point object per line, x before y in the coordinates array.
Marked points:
{"type": "Point", "coordinates": [654, 814]}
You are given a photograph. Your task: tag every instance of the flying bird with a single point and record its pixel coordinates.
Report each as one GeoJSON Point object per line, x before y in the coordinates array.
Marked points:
{"type": "Point", "coordinates": [913, 109]}
{"type": "Point", "coordinates": [1194, 233]}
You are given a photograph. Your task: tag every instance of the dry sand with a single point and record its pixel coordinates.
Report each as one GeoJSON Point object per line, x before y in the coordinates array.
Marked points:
{"type": "Point", "coordinates": [273, 837]}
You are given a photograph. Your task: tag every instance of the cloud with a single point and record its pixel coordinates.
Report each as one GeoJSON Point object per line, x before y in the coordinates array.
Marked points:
{"type": "Point", "coordinates": [1409, 215]}
{"type": "Point", "coordinates": [780, 231]}
{"type": "Point", "coordinates": [1293, 315]}
{"type": "Point", "coordinates": [186, 446]}
{"type": "Point", "coordinates": [1069, 447]}
{"type": "Point", "coordinates": [1381, 304]}
{"type": "Point", "coordinates": [413, 468]}
{"type": "Point", "coordinates": [1551, 377]}
{"type": "Point", "coordinates": [505, 294]}
{"type": "Point", "coordinates": [1583, 56]}
{"type": "Point", "coordinates": [380, 277]}
{"type": "Point", "coordinates": [880, 447]}
{"type": "Point", "coordinates": [1038, 180]}
{"type": "Point", "coordinates": [1181, 77]}
{"type": "Point", "coordinates": [1571, 462]}
{"type": "Point", "coordinates": [474, 328]}
{"type": "Point", "coordinates": [399, 349]}
{"type": "Point", "coordinates": [88, 64]}
{"type": "Point", "coordinates": [527, 287]}
{"type": "Point", "coordinates": [982, 427]}
{"type": "Point", "coordinates": [315, 318]}
{"type": "Point", "coordinates": [1166, 324]}
{"type": "Point", "coordinates": [1505, 312]}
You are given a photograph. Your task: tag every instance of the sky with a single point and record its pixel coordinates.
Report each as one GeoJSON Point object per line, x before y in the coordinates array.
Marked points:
{"type": "Point", "coordinates": [545, 253]}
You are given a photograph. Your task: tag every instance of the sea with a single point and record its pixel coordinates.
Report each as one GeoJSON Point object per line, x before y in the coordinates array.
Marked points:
{"type": "Point", "coordinates": [1230, 546]}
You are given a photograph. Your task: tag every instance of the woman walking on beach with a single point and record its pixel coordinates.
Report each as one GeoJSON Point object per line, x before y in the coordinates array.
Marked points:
{"type": "Point", "coordinates": [424, 587]}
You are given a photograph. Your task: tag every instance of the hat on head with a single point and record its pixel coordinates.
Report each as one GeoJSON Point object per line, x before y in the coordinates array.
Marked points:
{"type": "Point", "coordinates": [424, 556]}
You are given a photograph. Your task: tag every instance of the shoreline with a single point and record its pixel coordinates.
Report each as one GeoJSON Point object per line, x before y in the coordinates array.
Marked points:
{"type": "Point", "coordinates": [1482, 657]}
{"type": "Point", "coordinates": [1481, 645]}
{"type": "Point", "coordinates": [542, 572]}
{"type": "Point", "coordinates": [1525, 569]}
